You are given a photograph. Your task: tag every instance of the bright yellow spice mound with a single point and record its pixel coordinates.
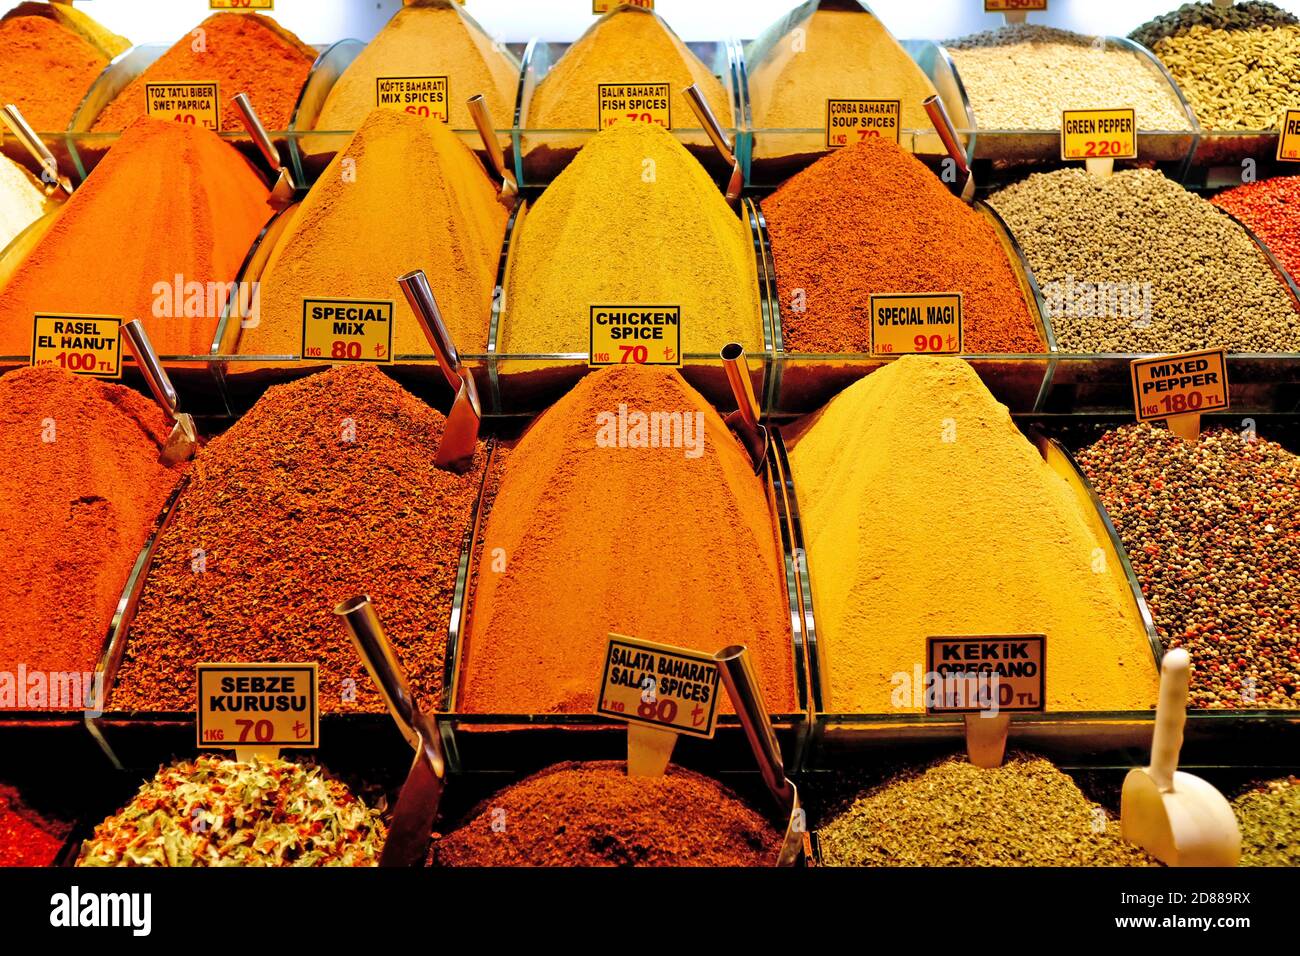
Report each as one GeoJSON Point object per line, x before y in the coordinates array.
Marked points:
{"type": "Point", "coordinates": [926, 512]}
{"type": "Point", "coordinates": [633, 220]}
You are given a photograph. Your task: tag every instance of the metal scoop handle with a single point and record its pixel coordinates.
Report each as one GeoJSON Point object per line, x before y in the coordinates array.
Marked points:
{"type": "Point", "coordinates": [24, 133]}
{"type": "Point", "coordinates": [719, 139]}
{"type": "Point", "coordinates": [745, 418]}
{"type": "Point", "coordinates": [738, 677]}
{"type": "Point", "coordinates": [160, 384]}
{"type": "Point", "coordinates": [257, 131]}
{"type": "Point", "coordinates": [419, 295]}
{"type": "Point", "coordinates": [938, 114]}
{"type": "Point", "coordinates": [487, 132]}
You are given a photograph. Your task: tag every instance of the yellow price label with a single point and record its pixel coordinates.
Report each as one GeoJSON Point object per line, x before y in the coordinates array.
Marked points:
{"type": "Point", "coordinates": [1288, 140]}
{"type": "Point", "coordinates": [853, 121]}
{"type": "Point", "coordinates": [916, 323]}
{"type": "Point", "coordinates": [635, 335]}
{"type": "Point", "coordinates": [81, 344]}
{"type": "Point", "coordinates": [604, 6]}
{"type": "Point", "coordinates": [241, 4]}
{"type": "Point", "coordinates": [347, 330]}
{"type": "Point", "coordinates": [640, 102]}
{"type": "Point", "coordinates": [418, 95]}
{"type": "Point", "coordinates": [197, 104]}
{"type": "Point", "coordinates": [673, 688]}
{"type": "Point", "coordinates": [1013, 6]}
{"type": "Point", "coordinates": [258, 706]}
{"type": "Point", "coordinates": [1099, 134]}
{"type": "Point", "coordinates": [1180, 384]}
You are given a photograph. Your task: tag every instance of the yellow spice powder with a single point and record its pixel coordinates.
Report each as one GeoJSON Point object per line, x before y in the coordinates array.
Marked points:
{"type": "Point", "coordinates": [928, 513]}
{"type": "Point", "coordinates": [634, 220]}
{"type": "Point", "coordinates": [403, 194]}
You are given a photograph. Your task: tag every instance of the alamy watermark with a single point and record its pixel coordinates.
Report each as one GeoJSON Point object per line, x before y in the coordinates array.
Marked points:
{"type": "Point", "coordinates": [1071, 299]}
{"type": "Point", "coordinates": [632, 428]}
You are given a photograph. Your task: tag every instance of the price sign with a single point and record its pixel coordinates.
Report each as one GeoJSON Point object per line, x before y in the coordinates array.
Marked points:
{"type": "Point", "coordinates": [1099, 134]}
{"type": "Point", "coordinates": [418, 95]}
{"type": "Point", "coordinates": [258, 706]}
{"type": "Point", "coordinates": [925, 323]}
{"type": "Point", "coordinates": [81, 344]}
{"type": "Point", "coordinates": [604, 6]}
{"type": "Point", "coordinates": [347, 330]}
{"type": "Point", "coordinates": [1180, 384]}
{"type": "Point", "coordinates": [852, 121]}
{"type": "Point", "coordinates": [241, 4]}
{"type": "Point", "coordinates": [970, 674]}
{"type": "Point", "coordinates": [197, 104]}
{"type": "Point", "coordinates": [669, 688]}
{"type": "Point", "coordinates": [1288, 140]}
{"type": "Point", "coordinates": [640, 102]}
{"type": "Point", "coordinates": [635, 335]}
{"type": "Point", "coordinates": [1013, 6]}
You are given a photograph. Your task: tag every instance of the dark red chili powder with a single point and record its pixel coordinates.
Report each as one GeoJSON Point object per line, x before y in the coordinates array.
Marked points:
{"type": "Point", "coordinates": [26, 837]}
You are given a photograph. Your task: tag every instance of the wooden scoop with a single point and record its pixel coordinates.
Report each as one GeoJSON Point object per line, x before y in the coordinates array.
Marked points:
{"type": "Point", "coordinates": [934, 108]}
{"type": "Point", "coordinates": [285, 189]}
{"type": "Point", "coordinates": [51, 178]}
{"type": "Point", "coordinates": [1178, 818]}
{"type": "Point", "coordinates": [183, 442]}
{"type": "Point", "coordinates": [714, 130]}
{"type": "Point", "coordinates": [487, 132]}
{"type": "Point", "coordinates": [460, 436]}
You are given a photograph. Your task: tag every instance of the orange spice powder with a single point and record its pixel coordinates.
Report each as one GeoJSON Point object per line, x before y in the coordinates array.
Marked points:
{"type": "Point", "coordinates": [46, 69]}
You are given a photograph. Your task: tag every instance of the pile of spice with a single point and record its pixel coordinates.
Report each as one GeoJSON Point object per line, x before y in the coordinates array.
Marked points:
{"type": "Point", "coordinates": [1022, 75]}
{"type": "Point", "coordinates": [427, 38]}
{"type": "Point", "coordinates": [1023, 813]}
{"type": "Point", "coordinates": [1271, 209]}
{"type": "Point", "coordinates": [1212, 529]}
{"type": "Point", "coordinates": [633, 485]}
{"type": "Point", "coordinates": [627, 45]}
{"type": "Point", "coordinates": [412, 196]}
{"type": "Point", "coordinates": [1235, 64]}
{"type": "Point", "coordinates": [870, 218]}
{"type": "Point", "coordinates": [169, 200]}
{"type": "Point", "coordinates": [212, 811]}
{"type": "Point", "coordinates": [827, 50]}
{"type": "Point", "coordinates": [594, 814]}
{"type": "Point", "coordinates": [1269, 817]}
{"type": "Point", "coordinates": [325, 489]}
{"type": "Point", "coordinates": [636, 189]}
{"type": "Point", "coordinates": [925, 512]}
{"type": "Point", "coordinates": [241, 53]}
{"type": "Point", "coordinates": [50, 55]}
{"type": "Point", "coordinates": [82, 486]}
{"type": "Point", "coordinates": [1136, 263]}
{"type": "Point", "coordinates": [22, 200]}
{"type": "Point", "coordinates": [26, 837]}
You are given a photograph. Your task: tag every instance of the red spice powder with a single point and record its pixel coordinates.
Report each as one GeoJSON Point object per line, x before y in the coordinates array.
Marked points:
{"type": "Point", "coordinates": [80, 491]}
{"type": "Point", "coordinates": [45, 70]}
{"type": "Point", "coordinates": [872, 219]}
{"type": "Point", "coordinates": [241, 53]}
{"type": "Point", "coordinates": [26, 838]}
{"type": "Point", "coordinates": [1271, 209]}
{"type": "Point", "coordinates": [594, 814]}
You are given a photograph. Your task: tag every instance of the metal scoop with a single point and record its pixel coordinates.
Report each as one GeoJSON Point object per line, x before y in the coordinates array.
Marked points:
{"type": "Point", "coordinates": [417, 805]}
{"type": "Point", "coordinates": [183, 442]}
{"type": "Point", "coordinates": [487, 132]}
{"type": "Point", "coordinates": [744, 420]}
{"type": "Point", "coordinates": [460, 437]}
{"type": "Point", "coordinates": [747, 698]}
{"type": "Point", "coordinates": [934, 108]}
{"type": "Point", "coordinates": [714, 129]}
{"type": "Point", "coordinates": [23, 132]}
{"type": "Point", "coordinates": [285, 189]}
